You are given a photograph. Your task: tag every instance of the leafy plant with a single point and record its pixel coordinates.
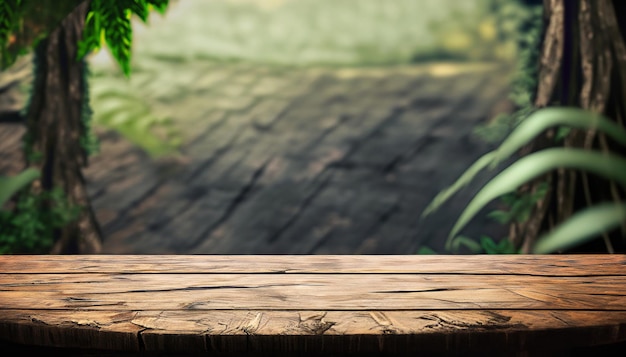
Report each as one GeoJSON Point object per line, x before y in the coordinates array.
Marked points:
{"type": "Point", "coordinates": [37, 217]}
{"type": "Point", "coordinates": [29, 226]}
{"type": "Point", "coordinates": [484, 245]}
{"type": "Point", "coordinates": [610, 166]}
{"type": "Point", "coordinates": [116, 106]}
{"type": "Point", "coordinates": [504, 246]}
{"type": "Point", "coordinates": [110, 21]}
{"type": "Point", "coordinates": [520, 206]}
{"type": "Point", "coordinates": [425, 250]}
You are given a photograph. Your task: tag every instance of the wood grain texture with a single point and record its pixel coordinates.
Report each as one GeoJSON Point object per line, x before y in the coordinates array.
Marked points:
{"type": "Point", "coordinates": [553, 265]}
{"type": "Point", "coordinates": [317, 304]}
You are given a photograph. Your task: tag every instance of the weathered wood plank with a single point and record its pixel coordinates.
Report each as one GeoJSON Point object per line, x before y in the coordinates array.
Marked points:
{"type": "Point", "coordinates": [129, 292]}
{"type": "Point", "coordinates": [105, 330]}
{"type": "Point", "coordinates": [342, 331]}
{"type": "Point", "coordinates": [317, 304]}
{"type": "Point", "coordinates": [553, 265]}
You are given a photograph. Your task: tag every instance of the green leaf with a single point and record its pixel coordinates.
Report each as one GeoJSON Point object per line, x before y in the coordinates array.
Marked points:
{"type": "Point", "coordinates": [500, 216]}
{"type": "Point", "coordinates": [424, 250]}
{"type": "Point", "coordinates": [506, 247]}
{"type": "Point", "coordinates": [10, 185]}
{"type": "Point", "coordinates": [462, 181]}
{"type": "Point", "coordinates": [582, 227]}
{"type": "Point", "coordinates": [561, 133]}
{"type": "Point", "coordinates": [509, 199]}
{"type": "Point", "coordinates": [159, 5]}
{"type": "Point", "coordinates": [489, 245]}
{"type": "Point", "coordinates": [611, 167]}
{"type": "Point", "coordinates": [546, 118]}
{"type": "Point", "coordinates": [462, 241]}
{"type": "Point", "coordinates": [92, 30]}
{"type": "Point", "coordinates": [540, 193]}
{"type": "Point", "coordinates": [139, 8]}
{"type": "Point", "coordinates": [118, 37]}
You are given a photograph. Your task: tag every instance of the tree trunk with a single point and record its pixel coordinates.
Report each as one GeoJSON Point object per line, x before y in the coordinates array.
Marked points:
{"type": "Point", "coordinates": [55, 127]}
{"type": "Point", "coordinates": [582, 64]}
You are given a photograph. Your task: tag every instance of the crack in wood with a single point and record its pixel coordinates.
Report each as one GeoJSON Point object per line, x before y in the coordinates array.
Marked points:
{"type": "Point", "coordinates": [140, 341]}
{"type": "Point", "coordinates": [384, 321]}
{"type": "Point", "coordinates": [414, 291]}
{"type": "Point", "coordinates": [252, 325]}
{"type": "Point", "coordinates": [314, 323]}
{"type": "Point", "coordinates": [557, 317]}
{"type": "Point", "coordinates": [494, 322]}
{"type": "Point", "coordinates": [192, 288]}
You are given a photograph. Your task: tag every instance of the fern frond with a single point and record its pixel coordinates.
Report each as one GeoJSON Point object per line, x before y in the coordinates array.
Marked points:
{"type": "Point", "coordinates": [158, 5]}
{"type": "Point", "coordinates": [110, 21]}
{"type": "Point", "coordinates": [139, 8]}
{"type": "Point", "coordinates": [92, 30]}
{"type": "Point", "coordinates": [118, 33]}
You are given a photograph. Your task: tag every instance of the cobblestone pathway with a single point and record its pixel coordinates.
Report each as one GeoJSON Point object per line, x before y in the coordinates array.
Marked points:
{"type": "Point", "coordinates": [333, 161]}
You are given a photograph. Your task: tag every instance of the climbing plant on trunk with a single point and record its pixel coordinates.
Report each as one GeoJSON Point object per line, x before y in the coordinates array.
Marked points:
{"type": "Point", "coordinates": [574, 169]}
{"type": "Point", "coordinates": [582, 64]}
{"type": "Point", "coordinates": [55, 126]}
{"type": "Point", "coordinates": [57, 116]}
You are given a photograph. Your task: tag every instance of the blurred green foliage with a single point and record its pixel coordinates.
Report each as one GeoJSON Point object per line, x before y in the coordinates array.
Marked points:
{"type": "Point", "coordinates": [23, 23]}
{"type": "Point", "coordinates": [581, 227]}
{"type": "Point", "coordinates": [524, 80]}
{"type": "Point", "coordinates": [29, 226]}
{"type": "Point", "coordinates": [335, 32]}
{"type": "Point", "coordinates": [118, 106]}
{"type": "Point", "coordinates": [491, 31]}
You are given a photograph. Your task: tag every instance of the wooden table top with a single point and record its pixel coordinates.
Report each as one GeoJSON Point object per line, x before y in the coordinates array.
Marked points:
{"type": "Point", "coordinates": [318, 304]}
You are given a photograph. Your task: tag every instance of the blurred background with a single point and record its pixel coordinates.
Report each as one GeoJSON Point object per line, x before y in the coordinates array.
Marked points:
{"type": "Point", "coordinates": [333, 32]}
{"type": "Point", "coordinates": [287, 34]}
{"type": "Point", "coordinates": [295, 126]}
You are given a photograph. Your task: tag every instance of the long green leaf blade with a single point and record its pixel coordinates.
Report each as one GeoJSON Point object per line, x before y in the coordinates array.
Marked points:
{"type": "Point", "coordinates": [10, 185]}
{"type": "Point", "coordinates": [531, 127]}
{"type": "Point", "coordinates": [582, 227]}
{"type": "Point", "coordinates": [462, 181]}
{"type": "Point", "coordinates": [546, 118]}
{"type": "Point", "coordinates": [610, 166]}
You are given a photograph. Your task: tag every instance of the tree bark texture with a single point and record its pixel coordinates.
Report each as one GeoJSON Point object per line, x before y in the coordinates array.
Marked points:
{"type": "Point", "coordinates": [582, 64]}
{"type": "Point", "coordinates": [55, 126]}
